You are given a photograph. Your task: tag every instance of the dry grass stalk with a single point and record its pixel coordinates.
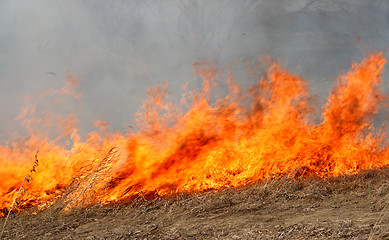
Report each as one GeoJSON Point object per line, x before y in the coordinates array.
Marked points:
{"type": "Point", "coordinates": [379, 220]}
{"type": "Point", "coordinates": [90, 183]}
{"type": "Point", "coordinates": [21, 191]}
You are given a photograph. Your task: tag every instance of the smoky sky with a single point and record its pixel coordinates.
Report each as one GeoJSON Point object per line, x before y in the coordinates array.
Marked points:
{"type": "Point", "coordinates": [118, 49]}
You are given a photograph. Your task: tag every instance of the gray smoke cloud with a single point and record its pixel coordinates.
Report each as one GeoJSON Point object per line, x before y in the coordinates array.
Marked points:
{"type": "Point", "coordinates": [117, 49]}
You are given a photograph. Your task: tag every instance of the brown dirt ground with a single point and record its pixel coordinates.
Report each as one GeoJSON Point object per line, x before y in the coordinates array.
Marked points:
{"type": "Point", "coordinates": [347, 207]}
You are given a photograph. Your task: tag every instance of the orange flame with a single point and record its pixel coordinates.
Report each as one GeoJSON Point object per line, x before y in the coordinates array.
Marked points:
{"type": "Point", "coordinates": [242, 138]}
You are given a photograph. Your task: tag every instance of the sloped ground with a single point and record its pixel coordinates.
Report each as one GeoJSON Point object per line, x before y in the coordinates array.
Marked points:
{"type": "Point", "coordinates": [351, 207]}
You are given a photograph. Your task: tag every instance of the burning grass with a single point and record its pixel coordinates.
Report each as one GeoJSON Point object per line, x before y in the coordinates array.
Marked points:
{"type": "Point", "coordinates": [249, 136]}
{"type": "Point", "coordinates": [344, 207]}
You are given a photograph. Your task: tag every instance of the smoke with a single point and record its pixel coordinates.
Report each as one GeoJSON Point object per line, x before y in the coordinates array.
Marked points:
{"type": "Point", "coordinates": [118, 49]}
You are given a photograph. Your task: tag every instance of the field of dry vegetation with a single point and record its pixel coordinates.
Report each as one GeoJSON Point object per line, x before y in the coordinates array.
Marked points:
{"type": "Point", "coordinates": [347, 207]}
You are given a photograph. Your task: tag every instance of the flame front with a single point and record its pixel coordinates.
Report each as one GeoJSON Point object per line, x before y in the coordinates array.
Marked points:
{"type": "Point", "coordinates": [242, 138]}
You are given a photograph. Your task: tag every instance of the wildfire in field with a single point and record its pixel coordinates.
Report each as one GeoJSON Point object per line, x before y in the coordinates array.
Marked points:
{"type": "Point", "coordinates": [244, 137]}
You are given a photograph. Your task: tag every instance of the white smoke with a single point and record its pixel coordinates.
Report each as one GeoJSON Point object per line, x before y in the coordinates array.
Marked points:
{"type": "Point", "coordinates": [117, 49]}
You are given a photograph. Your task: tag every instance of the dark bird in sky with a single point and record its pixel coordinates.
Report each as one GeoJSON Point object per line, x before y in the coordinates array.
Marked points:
{"type": "Point", "coordinates": [52, 73]}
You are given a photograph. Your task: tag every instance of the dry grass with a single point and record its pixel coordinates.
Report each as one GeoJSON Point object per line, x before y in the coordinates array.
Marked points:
{"type": "Point", "coordinates": [16, 201]}
{"type": "Point", "coordinates": [347, 207]}
{"type": "Point", "coordinates": [90, 184]}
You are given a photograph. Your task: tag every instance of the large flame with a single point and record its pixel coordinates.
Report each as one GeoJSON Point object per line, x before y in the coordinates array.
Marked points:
{"type": "Point", "coordinates": [242, 138]}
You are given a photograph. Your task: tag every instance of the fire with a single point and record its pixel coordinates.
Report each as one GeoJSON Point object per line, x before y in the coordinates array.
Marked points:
{"type": "Point", "coordinates": [244, 137]}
